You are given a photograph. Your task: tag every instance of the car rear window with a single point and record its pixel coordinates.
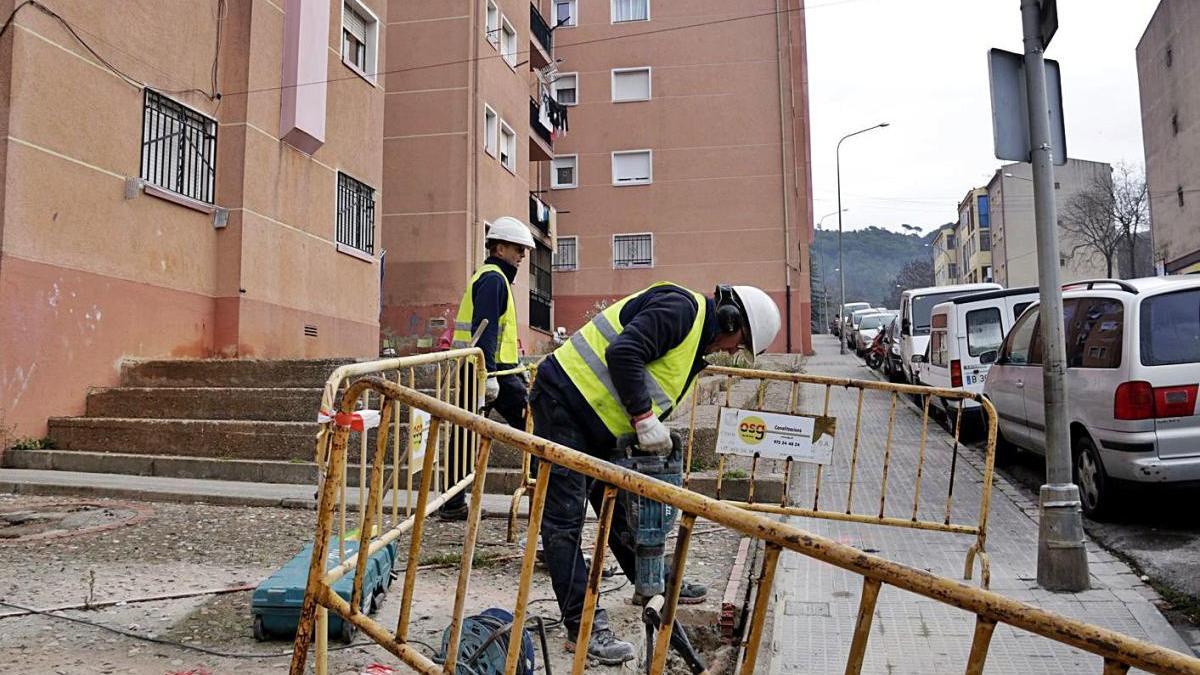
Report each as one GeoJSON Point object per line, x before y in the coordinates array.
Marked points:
{"type": "Point", "coordinates": [872, 322]}
{"type": "Point", "coordinates": [1171, 328]}
{"type": "Point", "coordinates": [1094, 331]}
{"type": "Point", "coordinates": [984, 331]}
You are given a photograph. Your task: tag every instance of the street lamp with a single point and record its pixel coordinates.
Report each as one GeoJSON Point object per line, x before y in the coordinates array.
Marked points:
{"type": "Point", "coordinates": [1009, 175]}
{"type": "Point", "coordinates": [825, 282]}
{"type": "Point", "coordinates": [841, 263]}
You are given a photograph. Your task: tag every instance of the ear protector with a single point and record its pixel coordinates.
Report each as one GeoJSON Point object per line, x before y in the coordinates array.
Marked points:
{"type": "Point", "coordinates": [729, 313]}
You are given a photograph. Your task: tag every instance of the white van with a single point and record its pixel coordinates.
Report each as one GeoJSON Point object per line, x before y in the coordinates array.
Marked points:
{"type": "Point", "coordinates": [964, 336]}
{"type": "Point", "coordinates": [848, 309]}
{"type": "Point", "coordinates": [916, 304]}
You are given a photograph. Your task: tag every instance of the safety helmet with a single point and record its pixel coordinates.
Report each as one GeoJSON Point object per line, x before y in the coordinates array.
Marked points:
{"type": "Point", "coordinates": [511, 230]}
{"type": "Point", "coordinates": [762, 317]}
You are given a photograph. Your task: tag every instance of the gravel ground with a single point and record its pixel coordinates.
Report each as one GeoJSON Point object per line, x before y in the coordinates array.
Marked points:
{"type": "Point", "coordinates": [177, 548]}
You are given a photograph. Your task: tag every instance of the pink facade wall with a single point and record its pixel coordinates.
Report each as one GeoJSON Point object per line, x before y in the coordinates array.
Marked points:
{"type": "Point", "coordinates": [305, 66]}
{"type": "Point", "coordinates": [89, 277]}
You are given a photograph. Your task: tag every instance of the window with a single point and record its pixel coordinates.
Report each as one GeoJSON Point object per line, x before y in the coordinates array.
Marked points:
{"type": "Point", "coordinates": [1170, 328]}
{"type": "Point", "coordinates": [565, 13]}
{"type": "Point", "coordinates": [491, 130]}
{"type": "Point", "coordinates": [984, 331]}
{"type": "Point", "coordinates": [633, 250]}
{"type": "Point", "coordinates": [508, 147]}
{"type": "Point", "coordinates": [360, 38]}
{"type": "Point", "coordinates": [922, 307]}
{"type": "Point", "coordinates": [1019, 308]}
{"type": "Point", "coordinates": [1094, 332]}
{"type": "Point", "coordinates": [630, 10]}
{"type": "Point", "coordinates": [985, 241]}
{"type": "Point", "coordinates": [179, 148]}
{"type": "Point", "coordinates": [493, 23]}
{"type": "Point", "coordinates": [953, 270]}
{"type": "Point", "coordinates": [630, 84]}
{"type": "Point", "coordinates": [566, 254]}
{"type": "Point", "coordinates": [563, 172]}
{"type": "Point", "coordinates": [633, 167]}
{"type": "Point", "coordinates": [355, 214]}
{"type": "Point", "coordinates": [985, 212]}
{"type": "Point", "coordinates": [541, 290]}
{"type": "Point", "coordinates": [566, 89]}
{"type": "Point", "coordinates": [508, 42]}
{"type": "Point", "coordinates": [1017, 349]}
{"type": "Point", "coordinates": [937, 347]}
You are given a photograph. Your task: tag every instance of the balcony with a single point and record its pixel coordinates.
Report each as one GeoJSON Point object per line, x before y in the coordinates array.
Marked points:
{"type": "Point", "coordinates": [541, 40]}
{"type": "Point", "coordinates": [541, 216]}
{"type": "Point", "coordinates": [542, 128]}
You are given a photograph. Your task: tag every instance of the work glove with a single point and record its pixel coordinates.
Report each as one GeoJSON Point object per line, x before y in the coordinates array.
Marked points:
{"type": "Point", "coordinates": [491, 390]}
{"type": "Point", "coordinates": [653, 435]}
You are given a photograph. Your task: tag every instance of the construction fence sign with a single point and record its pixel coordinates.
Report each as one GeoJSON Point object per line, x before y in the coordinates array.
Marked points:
{"type": "Point", "coordinates": [418, 438]}
{"type": "Point", "coordinates": [801, 438]}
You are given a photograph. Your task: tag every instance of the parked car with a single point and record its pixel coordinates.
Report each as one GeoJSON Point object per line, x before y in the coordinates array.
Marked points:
{"type": "Point", "coordinates": [844, 318]}
{"type": "Point", "coordinates": [852, 324]}
{"type": "Point", "coordinates": [868, 327]}
{"type": "Point", "coordinates": [964, 336]}
{"type": "Point", "coordinates": [892, 366]}
{"type": "Point", "coordinates": [916, 304]}
{"type": "Point", "coordinates": [1133, 370]}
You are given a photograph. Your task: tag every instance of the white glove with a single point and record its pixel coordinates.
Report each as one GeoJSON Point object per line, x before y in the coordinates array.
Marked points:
{"type": "Point", "coordinates": [491, 390]}
{"type": "Point", "coordinates": [653, 435]}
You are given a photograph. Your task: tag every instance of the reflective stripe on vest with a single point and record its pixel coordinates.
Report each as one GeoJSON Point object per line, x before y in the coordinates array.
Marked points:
{"type": "Point", "coordinates": [506, 340]}
{"type": "Point", "coordinates": [582, 359]}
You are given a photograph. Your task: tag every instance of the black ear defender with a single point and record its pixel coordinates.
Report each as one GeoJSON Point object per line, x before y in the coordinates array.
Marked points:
{"type": "Point", "coordinates": [729, 315]}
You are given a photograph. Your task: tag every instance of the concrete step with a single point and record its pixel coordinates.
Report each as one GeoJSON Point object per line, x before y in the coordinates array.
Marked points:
{"type": "Point", "coordinates": [228, 439]}
{"type": "Point", "coordinates": [290, 404]}
{"type": "Point", "coordinates": [500, 480]}
{"type": "Point", "coordinates": [294, 373]}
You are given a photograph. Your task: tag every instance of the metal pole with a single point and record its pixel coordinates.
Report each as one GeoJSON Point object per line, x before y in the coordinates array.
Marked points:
{"type": "Point", "coordinates": [1062, 558]}
{"type": "Point", "coordinates": [841, 266]}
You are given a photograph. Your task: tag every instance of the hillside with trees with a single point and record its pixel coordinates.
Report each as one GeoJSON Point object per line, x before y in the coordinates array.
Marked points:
{"type": "Point", "coordinates": [874, 259]}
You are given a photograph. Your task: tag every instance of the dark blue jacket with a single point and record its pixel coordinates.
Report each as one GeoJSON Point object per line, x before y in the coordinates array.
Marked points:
{"type": "Point", "coordinates": [490, 298]}
{"type": "Point", "coordinates": [654, 323]}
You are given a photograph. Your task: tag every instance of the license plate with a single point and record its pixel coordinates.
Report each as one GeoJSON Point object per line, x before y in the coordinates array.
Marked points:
{"type": "Point", "coordinates": [972, 379]}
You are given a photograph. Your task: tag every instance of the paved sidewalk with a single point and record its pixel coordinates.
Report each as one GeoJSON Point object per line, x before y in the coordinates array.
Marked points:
{"type": "Point", "coordinates": [816, 604]}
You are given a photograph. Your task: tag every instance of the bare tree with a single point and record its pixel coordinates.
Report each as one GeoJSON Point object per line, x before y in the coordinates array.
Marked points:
{"type": "Point", "coordinates": [1106, 217]}
{"type": "Point", "coordinates": [916, 273]}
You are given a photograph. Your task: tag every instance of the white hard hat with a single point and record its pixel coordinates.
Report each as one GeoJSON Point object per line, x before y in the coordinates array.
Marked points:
{"type": "Point", "coordinates": [511, 230]}
{"type": "Point", "coordinates": [762, 317]}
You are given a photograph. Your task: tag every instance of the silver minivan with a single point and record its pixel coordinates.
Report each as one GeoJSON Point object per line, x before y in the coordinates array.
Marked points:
{"type": "Point", "coordinates": [1133, 370]}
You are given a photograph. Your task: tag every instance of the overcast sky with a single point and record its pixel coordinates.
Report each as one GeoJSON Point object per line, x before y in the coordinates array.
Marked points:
{"type": "Point", "coordinates": [922, 65]}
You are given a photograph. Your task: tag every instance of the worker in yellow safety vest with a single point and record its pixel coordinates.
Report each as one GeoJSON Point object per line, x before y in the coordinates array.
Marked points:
{"type": "Point", "coordinates": [622, 374]}
{"type": "Point", "coordinates": [489, 297]}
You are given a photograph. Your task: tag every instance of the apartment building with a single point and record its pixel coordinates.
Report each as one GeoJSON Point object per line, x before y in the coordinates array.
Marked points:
{"type": "Point", "coordinates": [945, 257]}
{"type": "Point", "coordinates": [1168, 62]}
{"type": "Point", "coordinates": [688, 154]}
{"type": "Point", "coordinates": [469, 131]}
{"type": "Point", "coordinates": [183, 179]}
{"type": "Point", "coordinates": [1013, 227]}
{"type": "Point", "coordinates": [973, 237]}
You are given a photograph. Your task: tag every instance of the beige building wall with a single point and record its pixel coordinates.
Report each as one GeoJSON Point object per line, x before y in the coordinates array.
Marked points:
{"type": "Point", "coordinates": [441, 183]}
{"type": "Point", "coordinates": [727, 123]}
{"type": "Point", "coordinates": [1014, 237]}
{"type": "Point", "coordinates": [1168, 60]}
{"type": "Point", "coordinates": [94, 269]}
{"type": "Point", "coordinates": [945, 258]}
{"type": "Point", "coordinates": [973, 238]}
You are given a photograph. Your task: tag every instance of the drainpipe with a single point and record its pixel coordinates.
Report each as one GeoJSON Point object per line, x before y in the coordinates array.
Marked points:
{"type": "Point", "coordinates": [787, 226]}
{"type": "Point", "coordinates": [473, 142]}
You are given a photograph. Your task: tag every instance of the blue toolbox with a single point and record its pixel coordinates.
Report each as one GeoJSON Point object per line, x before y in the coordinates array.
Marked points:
{"type": "Point", "coordinates": [276, 602]}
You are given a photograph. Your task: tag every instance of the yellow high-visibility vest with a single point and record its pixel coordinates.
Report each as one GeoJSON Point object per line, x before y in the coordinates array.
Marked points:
{"type": "Point", "coordinates": [506, 341]}
{"type": "Point", "coordinates": [584, 360]}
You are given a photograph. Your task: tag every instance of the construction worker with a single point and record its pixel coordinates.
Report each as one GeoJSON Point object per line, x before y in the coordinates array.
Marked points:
{"type": "Point", "coordinates": [489, 297]}
{"type": "Point", "coordinates": [622, 374]}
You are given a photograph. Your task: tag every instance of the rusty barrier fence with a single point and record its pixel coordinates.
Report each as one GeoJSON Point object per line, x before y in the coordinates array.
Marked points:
{"type": "Point", "coordinates": [1119, 652]}
{"type": "Point", "coordinates": [920, 498]}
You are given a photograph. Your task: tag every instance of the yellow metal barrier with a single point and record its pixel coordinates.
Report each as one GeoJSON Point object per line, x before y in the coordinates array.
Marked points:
{"type": "Point", "coordinates": [1119, 651]}
{"type": "Point", "coordinates": [974, 523]}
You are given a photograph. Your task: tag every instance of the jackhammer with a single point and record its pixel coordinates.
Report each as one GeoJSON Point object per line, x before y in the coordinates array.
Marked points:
{"type": "Point", "coordinates": [650, 523]}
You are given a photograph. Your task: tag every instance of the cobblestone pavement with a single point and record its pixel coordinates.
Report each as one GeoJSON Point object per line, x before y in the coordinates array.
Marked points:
{"type": "Point", "coordinates": [816, 604]}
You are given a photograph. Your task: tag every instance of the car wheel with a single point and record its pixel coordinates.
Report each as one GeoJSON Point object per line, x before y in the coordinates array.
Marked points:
{"type": "Point", "coordinates": [260, 632]}
{"type": "Point", "coordinates": [1095, 489]}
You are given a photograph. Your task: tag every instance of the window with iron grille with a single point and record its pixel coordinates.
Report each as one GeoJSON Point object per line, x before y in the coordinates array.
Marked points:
{"type": "Point", "coordinates": [355, 214]}
{"type": "Point", "coordinates": [541, 289]}
{"type": "Point", "coordinates": [179, 148]}
{"type": "Point", "coordinates": [566, 254]}
{"type": "Point", "coordinates": [633, 250]}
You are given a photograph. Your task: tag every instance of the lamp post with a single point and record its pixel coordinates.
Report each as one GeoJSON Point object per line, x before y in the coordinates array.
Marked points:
{"type": "Point", "coordinates": [824, 281]}
{"type": "Point", "coordinates": [841, 263]}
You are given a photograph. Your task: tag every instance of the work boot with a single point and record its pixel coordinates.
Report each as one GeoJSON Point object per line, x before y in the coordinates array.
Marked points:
{"type": "Point", "coordinates": [604, 647]}
{"type": "Point", "coordinates": [457, 512]}
{"type": "Point", "coordinates": [689, 594]}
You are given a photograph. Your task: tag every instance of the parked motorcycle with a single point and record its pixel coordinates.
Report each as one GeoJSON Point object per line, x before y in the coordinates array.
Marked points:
{"type": "Point", "coordinates": [877, 352]}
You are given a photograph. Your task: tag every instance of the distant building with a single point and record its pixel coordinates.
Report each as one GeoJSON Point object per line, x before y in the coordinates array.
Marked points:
{"type": "Point", "coordinates": [1013, 231]}
{"type": "Point", "coordinates": [945, 257]}
{"type": "Point", "coordinates": [973, 235]}
{"type": "Point", "coordinates": [1168, 63]}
